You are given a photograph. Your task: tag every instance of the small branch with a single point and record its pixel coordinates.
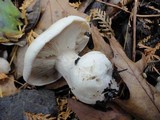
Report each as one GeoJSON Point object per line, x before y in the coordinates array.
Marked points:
{"type": "Point", "coordinates": [137, 15]}
{"type": "Point", "coordinates": [147, 16]}
{"type": "Point", "coordinates": [134, 30]}
{"type": "Point", "coordinates": [113, 5]}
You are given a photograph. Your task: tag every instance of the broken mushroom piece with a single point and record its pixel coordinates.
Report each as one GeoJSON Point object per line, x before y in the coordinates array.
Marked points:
{"type": "Point", "coordinates": [4, 66]}
{"type": "Point", "coordinates": [55, 52]}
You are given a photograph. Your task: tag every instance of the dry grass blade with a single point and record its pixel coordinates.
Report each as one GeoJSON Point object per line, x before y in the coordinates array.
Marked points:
{"type": "Point", "coordinates": [13, 54]}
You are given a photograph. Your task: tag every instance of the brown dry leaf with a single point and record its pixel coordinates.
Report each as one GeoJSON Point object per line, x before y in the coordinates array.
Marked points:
{"type": "Point", "coordinates": [84, 5]}
{"type": "Point", "coordinates": [142, 62]}
{"type": "Point", "coordinates": [100, 44]}
{"type": "Point", "coordinates": [58, 84]}
{"type": "Point", "coordinates": [31, 12]}
{"type": "Point", "coordinates": [143, 97]}
{"type": "Point", "coordinates": [53, 10]}
{"type": "Point", "coordinates": [7, 87]}
{"type": "Point", "coordinates": [85, 112]}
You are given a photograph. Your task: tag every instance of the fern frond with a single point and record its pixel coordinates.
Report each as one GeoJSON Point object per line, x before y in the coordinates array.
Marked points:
{"type": "Point", "coordinates": [75, 4]}
{"type": "Point", "coordinates": [23, 8]}
{"type": "Point", "coordinates": [64, 111]}
{"type": "Point", "coordinates": [151, 55]}
{"type": "Point", "coordinates": [40, 116]}
{"type": "Point", "coordinates": [102, 20]}
{"type": "Point", "coordinates": [144, 40]}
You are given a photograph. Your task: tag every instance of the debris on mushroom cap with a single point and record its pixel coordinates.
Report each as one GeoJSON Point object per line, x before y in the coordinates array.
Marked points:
{"type": "Point", "coordinates": [4, 66]}
{"type": "Point", "coordinates": [40, 57]}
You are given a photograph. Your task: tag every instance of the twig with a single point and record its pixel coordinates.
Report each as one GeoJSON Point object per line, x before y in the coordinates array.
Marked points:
{"type": "Point", "coordinates": [13, 54]}
{"type": "Point", "coordinates": [25, 84]}
{"type": "Point", "coordinates": [137, 15]}
{"type": "Point", "coordinates": [134, 30]}
{"type": "Point", "coordinates": [113, 5]}
{"type": "Point", "coordinates": [147, 16]}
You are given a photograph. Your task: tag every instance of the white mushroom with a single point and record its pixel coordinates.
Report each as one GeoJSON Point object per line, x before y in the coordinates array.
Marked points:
{"type": "Point", "coordinates": [40, 57]}
{"type": "Point", "coordinates": [57, 49]}
{"type": "Point", "coordinates": [4, 66]}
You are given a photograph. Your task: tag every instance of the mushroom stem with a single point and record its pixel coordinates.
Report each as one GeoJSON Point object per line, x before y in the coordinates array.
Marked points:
{"type": "Point", "coordinates": [65, 63]}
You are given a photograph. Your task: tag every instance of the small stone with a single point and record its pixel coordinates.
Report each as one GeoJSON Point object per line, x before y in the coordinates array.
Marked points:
{"type": "Point", "coordinates": [32, 101]}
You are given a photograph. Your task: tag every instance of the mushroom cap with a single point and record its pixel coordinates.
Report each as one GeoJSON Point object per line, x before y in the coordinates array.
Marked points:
{"type": "Point", "coordinates": [91, 76]}
{"type": "Point", "coordinates": [40, 57]}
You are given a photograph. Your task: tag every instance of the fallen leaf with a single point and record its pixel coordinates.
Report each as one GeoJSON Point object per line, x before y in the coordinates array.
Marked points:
{"type": "Point", "coordinates": [7, 87]}
{"type": "Point", "coordinates": [58, 84]}
{"type": "Point", "coordinates": [142, 93]}
{"type": "Point", "coordinates": [9, 19]}
{"type": "Point", "coordinates": [143, 97]}
{"type": "Point", "coordinates": [100, 44]}
{"type": "Point", "coordinates": [84, 5]}
{"type": "Point", "coordinates": [142, 62]}
{"type": "Point", "coordinates": [53, 10]}
{"type": "Point", "coordinates": [31, 13]}
{"type": "Point", "coordinates": [85, 112]}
